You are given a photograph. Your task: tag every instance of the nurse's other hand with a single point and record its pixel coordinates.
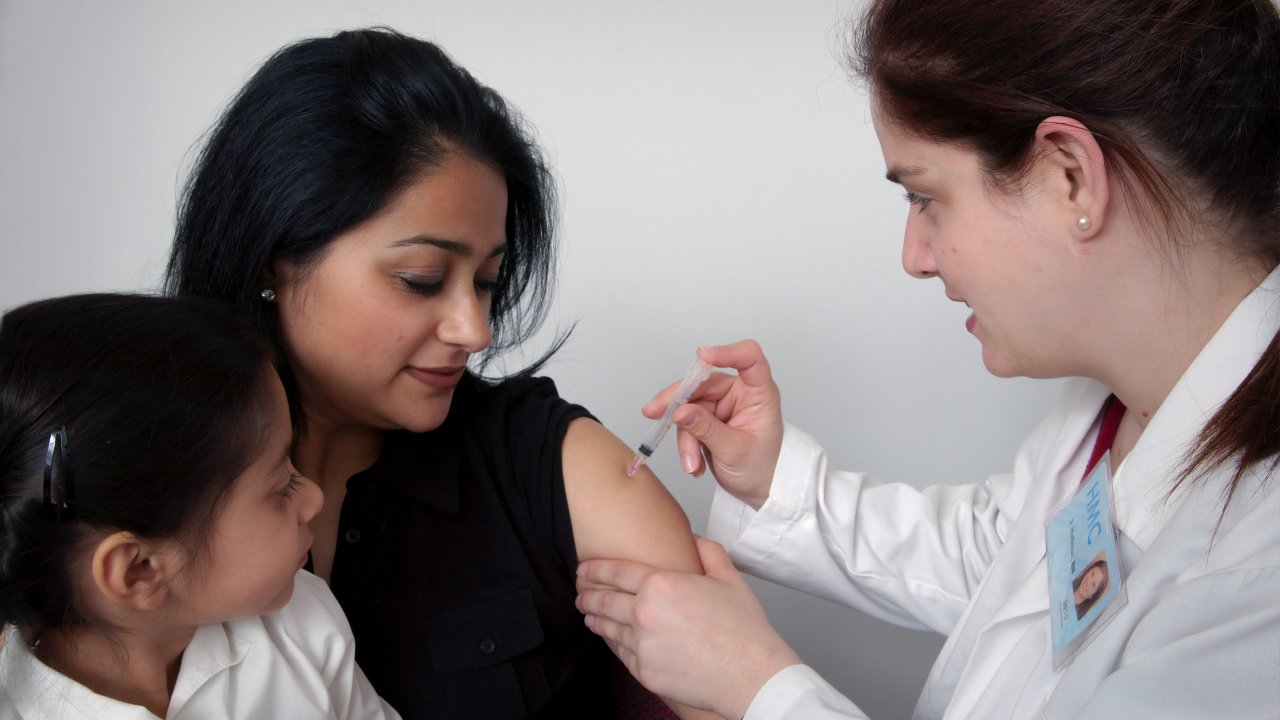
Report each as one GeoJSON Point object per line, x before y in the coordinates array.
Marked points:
{"type": "Point", "coordinates": [732, 422]}
{"type": "Point", "coordinates": [703, 641]}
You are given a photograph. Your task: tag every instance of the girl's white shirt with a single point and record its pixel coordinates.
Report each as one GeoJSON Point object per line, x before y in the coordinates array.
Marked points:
{"type": "Point", "coordinates": [1198, 637]}
{"type": "Point", "coordinates": [298, 662]}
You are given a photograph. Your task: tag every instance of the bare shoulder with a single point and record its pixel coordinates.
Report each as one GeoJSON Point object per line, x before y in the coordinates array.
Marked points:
{"type": "Point", "coordinates": [620, 517]}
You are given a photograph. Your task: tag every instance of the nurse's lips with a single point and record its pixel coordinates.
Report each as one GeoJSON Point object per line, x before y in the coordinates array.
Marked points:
{"type": "Point", "coordinates": [444, 378]}
{"type": "Point", "coordinates": [971, 320]}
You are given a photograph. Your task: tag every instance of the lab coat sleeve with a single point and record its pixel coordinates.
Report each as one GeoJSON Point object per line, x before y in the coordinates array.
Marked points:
{"type": "Point", "coordinates": [333, 650]}
{"type": "Point", "coordinates": [799, 692]}
{"type": "Point", "coordinates": [908, 556]}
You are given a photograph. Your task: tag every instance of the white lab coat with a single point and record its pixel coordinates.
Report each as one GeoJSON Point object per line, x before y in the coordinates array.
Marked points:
{"type": "Point", "coordinates": [1199, 636]}
{"type": "Point", "coordinates": [298, 662]}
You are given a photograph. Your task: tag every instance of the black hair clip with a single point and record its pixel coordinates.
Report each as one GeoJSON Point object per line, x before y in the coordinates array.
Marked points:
{"type": "Point", "coordinates": [60, 506]}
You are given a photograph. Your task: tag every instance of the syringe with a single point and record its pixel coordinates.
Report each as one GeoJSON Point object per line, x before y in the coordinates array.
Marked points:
{"type": "Point", "coordinates": [693, 377]}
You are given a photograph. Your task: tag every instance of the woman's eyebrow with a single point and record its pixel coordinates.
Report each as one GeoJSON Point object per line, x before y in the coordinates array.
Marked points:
{"type": "Point", "coordinates": [450, 246]}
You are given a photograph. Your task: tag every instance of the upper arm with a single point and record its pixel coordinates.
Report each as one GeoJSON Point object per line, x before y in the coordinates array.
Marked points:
{"type": "Point", "coordinates": [620, 517]}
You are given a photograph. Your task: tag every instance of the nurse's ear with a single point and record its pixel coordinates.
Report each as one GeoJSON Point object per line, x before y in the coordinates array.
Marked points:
{"type": "Point", "coordinates": [1074, 175]}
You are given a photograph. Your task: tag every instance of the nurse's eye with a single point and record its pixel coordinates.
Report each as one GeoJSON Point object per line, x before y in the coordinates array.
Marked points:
{"type": "Point", "coordinates": [422, 286]}
{"type": "Point", "coordinates": [920, 200]}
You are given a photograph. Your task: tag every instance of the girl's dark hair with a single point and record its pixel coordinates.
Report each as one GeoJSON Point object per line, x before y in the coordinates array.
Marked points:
{"type": "Point", "coordinates": [1183, 96]}
{"type": "Point", "coordinates": [164, 405]}
{"type": "Point", "coordinates": [321, 138]}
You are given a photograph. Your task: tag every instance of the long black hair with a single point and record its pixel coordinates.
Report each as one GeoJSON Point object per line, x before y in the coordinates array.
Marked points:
{"type": "Point", "coordinates": [155, 406]}
{"type": "Point", "coordinates": [321, 138]}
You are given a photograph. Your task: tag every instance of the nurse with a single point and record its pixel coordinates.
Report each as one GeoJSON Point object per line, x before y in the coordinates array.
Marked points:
{"type": "Point", "coordinates": [1098, 182]}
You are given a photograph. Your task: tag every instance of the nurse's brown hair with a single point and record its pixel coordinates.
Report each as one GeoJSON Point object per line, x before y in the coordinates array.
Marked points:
{"type": "Point", "coordinates": [1183, 97]}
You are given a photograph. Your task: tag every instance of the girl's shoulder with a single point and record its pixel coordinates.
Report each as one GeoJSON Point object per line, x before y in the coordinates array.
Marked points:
{"type": "Point", "coordinates": [310, 636]}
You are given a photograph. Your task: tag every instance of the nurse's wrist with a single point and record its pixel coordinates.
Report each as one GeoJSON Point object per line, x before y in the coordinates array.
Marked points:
{"type": "Point", "coordinates": [754, 675]}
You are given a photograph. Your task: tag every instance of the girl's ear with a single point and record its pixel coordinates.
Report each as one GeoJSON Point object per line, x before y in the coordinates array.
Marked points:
{"type": "Point", "coordinates": [1075, 174]}
{"type": "Point", "coordinates": [133, 572]}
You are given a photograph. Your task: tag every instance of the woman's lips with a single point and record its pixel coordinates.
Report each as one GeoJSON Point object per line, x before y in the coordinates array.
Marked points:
{"type": "Point", "coordinates": [444, 378]}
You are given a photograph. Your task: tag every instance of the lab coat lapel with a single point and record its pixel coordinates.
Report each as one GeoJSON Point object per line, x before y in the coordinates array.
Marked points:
{"type": "Point", "coordinates": [1006, 593]}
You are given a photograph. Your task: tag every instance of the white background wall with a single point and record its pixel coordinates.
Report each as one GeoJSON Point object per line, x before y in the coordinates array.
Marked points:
{"type": "Point", "coordinates": [720, 180]}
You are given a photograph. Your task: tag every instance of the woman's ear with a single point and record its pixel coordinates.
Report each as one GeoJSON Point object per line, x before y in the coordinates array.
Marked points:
{"type": "Point", "coordinates": [1075, 173]}
{"type": "Point", "coordinates": [270, 275]}
{"type": "Point", "coordinates": [132, 572]}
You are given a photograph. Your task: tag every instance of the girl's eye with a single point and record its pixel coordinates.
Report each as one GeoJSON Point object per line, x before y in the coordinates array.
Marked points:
{"type": "Point", "coordinates": [422, 286]}
{"type": "Point", "coordinates": [915, 199]}
{"type": "Point", "coordinates": [291, 487]}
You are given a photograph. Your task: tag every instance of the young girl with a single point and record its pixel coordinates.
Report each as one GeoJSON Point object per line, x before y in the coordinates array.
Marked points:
{"type": "Point", "coordinates": [152, 527]}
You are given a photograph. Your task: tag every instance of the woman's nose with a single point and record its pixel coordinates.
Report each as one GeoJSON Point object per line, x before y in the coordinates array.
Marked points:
{"type": "Point", "coordinates": [312, 500]}
{"type": "Point", "coordinates": [467, 323]}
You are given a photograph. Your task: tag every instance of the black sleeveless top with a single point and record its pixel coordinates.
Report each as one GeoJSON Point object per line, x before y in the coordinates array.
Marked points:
{"type": "Point", "coordinates": [455, 565]}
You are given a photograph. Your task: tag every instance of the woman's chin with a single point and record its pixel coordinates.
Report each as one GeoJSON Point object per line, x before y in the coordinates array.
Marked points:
{"type": "Point", "coordinates": [421, 422]}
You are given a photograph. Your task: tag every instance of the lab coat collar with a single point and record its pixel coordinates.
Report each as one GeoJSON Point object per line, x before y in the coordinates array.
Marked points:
{"type": "Point", "coordinates": [1142, 483]}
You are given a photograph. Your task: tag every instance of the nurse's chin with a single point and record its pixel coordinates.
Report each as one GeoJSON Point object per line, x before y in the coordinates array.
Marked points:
{"type": "Point", "coordinates": [1001, 366]}
{"type": "Point", "coordinates": [1005, 367]}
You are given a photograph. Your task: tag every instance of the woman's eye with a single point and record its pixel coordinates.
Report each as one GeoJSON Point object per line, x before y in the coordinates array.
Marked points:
{"type": "Point", "coordinates": [486, 286]}
{"type": "Point", "coordinates": [422, 286]}
{"type": "Point", "coordinates": [291, 487]}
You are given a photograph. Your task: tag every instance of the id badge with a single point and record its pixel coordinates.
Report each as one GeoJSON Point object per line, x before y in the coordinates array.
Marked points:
{"type": "Point", "coordinates": [1086, 582]}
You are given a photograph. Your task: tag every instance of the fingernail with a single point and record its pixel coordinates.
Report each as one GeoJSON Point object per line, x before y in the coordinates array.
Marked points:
{"type": "Point", "coordinates": [685, 420]}
{"type": "Point", "coordinates": [590, 620]}
{"type": "Point", "coordinates": [582, 570]}
{"type": "Point", "coordinates": [688, 462]}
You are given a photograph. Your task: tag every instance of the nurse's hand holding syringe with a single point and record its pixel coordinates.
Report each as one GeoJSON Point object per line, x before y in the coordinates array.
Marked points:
{"type": "Point", "coordinates": [734, 422]}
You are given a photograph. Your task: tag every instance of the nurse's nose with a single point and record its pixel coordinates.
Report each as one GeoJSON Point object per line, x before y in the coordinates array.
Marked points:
{"type": "Point", "coordinates": [917, 254]}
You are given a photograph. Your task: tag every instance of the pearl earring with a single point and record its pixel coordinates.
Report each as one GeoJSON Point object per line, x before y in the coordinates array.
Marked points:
{"type": "Point", "coordinates": [268, 295]}
{"type": "Point", "coordinates": [1083, 223]}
